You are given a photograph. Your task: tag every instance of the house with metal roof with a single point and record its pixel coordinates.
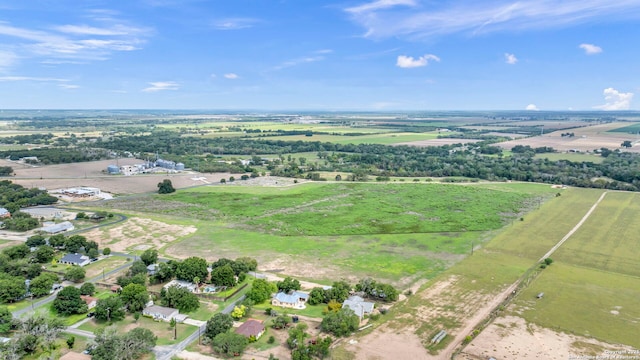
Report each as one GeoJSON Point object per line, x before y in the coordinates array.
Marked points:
{"type": "Point", "coordinates": [294, 300]}
{"type": "Point", "coordinates": [359, 306]}
{"type": "Point", "coordinates": [75, 259]}
{"type": "Point", "coordinates": [58, 228]}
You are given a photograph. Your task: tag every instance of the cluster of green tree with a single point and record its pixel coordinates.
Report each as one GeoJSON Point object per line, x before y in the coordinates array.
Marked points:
{"type": "Point", "coordinates": [110, 344]}
{"type": "Point", "coordinates": [223, 340]}
{"type": "Point", "coordinates": [72, 244]}
{"type": "Point", "coordinates": [28, 139]}
{"type": "Point", "coordinates": [58, 155]}
{"type": "Point", "coordinates": [376, 290]}
{"type": "Point", "coordinates": [32, 332]}
{"type": "Point", "coordinates": [165, 187]}
{"type": "Point", "coordinates": [303, 347]}
{"type": "Point", "coordinates": [14, 196]}
{"type": "Point", "coordinates": [18, 263]}
{"type": "Point", "coordinates": [526, 149]}
{"type": "Point", "coordinates": [383, 160]}
{"type": "Point", "coordinates": [338, 292]}
{"type": "Point", "coordinates": [6, 170]}
{"type": "Point", "coordinates": [341, 322]}
{"type": "Point", "coordinates": [20, 221]}
{"type": "Point", "coordinates": [179, 298]}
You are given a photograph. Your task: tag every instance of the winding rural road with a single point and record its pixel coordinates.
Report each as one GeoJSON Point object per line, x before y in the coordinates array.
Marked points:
{"type": "Point", "coordinates": [485, 311]}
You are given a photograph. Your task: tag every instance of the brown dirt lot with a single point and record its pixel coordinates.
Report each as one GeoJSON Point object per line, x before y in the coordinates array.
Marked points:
{"type": "Point", "coordinates": [437, 142]}
{"type": "Point", "coordinates": [138, 234]}
{"type": "Point", "coordinates": [511, 337]}
{"type": "Point", "coordinates": [585, 139]}
{"type": "Point", "coordinates": [90, 174]}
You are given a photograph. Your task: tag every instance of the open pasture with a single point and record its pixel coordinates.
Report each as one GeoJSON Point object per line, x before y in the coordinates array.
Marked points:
{"type": "Point", "coordinates": [375, 138]}
{"type": "Point", "coordinates": [608, 240]}
{"type": "Point", "coordinates": [395, 232]}
{"type": "Point", "coordinates": [357, 209]}
{"type": "Point", "coordinates": [586, 139]}
{"type": "Point", "coordinates": [569, 156]}
{"type": "Point", "coordinates": [584, 301]}
{"type": "Point", "coordinates": [541, 230]}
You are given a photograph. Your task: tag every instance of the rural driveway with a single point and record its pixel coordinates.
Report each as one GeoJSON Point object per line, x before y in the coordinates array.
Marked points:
{"type": "Point", "coordinates": [485, 311]}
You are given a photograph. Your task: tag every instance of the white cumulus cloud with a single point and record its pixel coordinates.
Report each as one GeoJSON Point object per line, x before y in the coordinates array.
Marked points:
{"type": "Point", "coordinates": [510, 59]}
{"type": "Point", "coordinates": [532, 107]}
{"type": "Point", "coordinates": [410, 62]}
{"type": "Point", "coordinates": [590, 49]}
{"type": "Point", "coordinates": [231, 76]}
{"type": "Point", "coordinates": [161, 86]}
{"type": "Point", "coordinates": [615, 100]}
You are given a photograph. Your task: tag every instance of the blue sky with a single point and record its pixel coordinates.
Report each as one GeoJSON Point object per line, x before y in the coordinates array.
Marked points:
{"type": "Point", "coordinates": [320, 55]}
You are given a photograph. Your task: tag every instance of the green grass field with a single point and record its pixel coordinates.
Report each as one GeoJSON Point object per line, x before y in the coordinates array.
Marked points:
{"type": "Point", "coordinates": [384, 138]}
{"type": "Point", "coordinates": [631, 129]}
{"type": "Point", "coordinates": [586, 302]}
{"type": "Point", "coordinates": [359, 209]}
{"type": "Point", "coordinates": [575, 157]}
{"type": "Point", "coordinates": [608, 240]}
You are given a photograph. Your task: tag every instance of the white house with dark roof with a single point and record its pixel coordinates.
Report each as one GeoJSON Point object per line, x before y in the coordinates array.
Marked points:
{"type": "Point", "coordinates": [75, 259]}
{"type": "Point", "coordinates": [359, 306]}
{"type": "Point", "coordinates": [294, 300]}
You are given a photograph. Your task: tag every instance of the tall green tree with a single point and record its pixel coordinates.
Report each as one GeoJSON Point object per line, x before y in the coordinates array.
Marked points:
{"type": "Point", "coordinates": [192, 267]}
{"type": "Point", "coordinates": [165, 187]}
{"type": "Point", "coordinates": [261, 290]}
{"type": "Point", "coordinates": [218, 324]}
{"type": "Point", "coordinates": [134, 297]}
{"type": "Point", "coordinates": [110, 309]}
{"type": "Point", "coordinates": [68, 302]}
{"type": "Point", "coordinates": [223, 276]}
{"type": "Point", "coordinates": [149, 256]}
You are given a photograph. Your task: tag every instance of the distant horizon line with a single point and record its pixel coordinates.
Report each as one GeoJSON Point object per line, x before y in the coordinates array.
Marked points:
{"type": "Point", "coordinates": [287, 111]}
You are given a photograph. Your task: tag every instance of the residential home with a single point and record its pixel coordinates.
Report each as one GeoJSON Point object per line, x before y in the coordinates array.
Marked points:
{"type": "Point", "coordinates": [160, 312]}
{"type": "Point", "coordinates": [294, 300]}
{"type": "Point", "coordinates": [251, 328]}
{"type": "Point", "coordinates": [90, 301]}
{"type": "Point", "coordinates": [116, 288]}
{"type": "Point", "coordinates": [75, 259]}
{"type": "Point", "coordinates": [152, 269]}
{"type": "Point", "coordinates": [182, 284]}
{"type": "Point", "coordinates": [4, 213]}
{"type": "Point", "coordinates": [359, 306]}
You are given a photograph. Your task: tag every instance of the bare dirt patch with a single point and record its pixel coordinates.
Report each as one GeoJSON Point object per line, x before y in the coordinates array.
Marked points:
{"type": "Point", "coordinates": [437, 142]}
{"type": "Point", "coordinates": [510, 337]}
{"type": "Point", "coordinates": [138, 232]}
{"type": "Point", "coordinates": [585, 139]}
{"type": "Point", "coordinates": [387, 343]}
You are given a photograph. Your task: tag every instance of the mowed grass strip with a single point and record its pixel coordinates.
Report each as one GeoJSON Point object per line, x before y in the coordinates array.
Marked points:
{"type": "Point", "coordinates": [585, 302]}
{"type": "Point", "coordinates": [608, 240]}
{"type": "Point", "coordinates": [541, 230]}
{"type": "Point", "coordinates": [356, 208]}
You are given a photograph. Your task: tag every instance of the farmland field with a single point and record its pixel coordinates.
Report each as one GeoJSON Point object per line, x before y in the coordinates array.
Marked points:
{"type": "Point", "coordinates": [397, 232]}
{"type": "Point", "coordinates": [383, 138]}
{"type": "Point", "coordinates": [576, 157]}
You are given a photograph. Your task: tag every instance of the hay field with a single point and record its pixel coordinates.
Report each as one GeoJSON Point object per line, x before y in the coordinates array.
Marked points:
{"type": "Point", "coordinates": [585, 139]}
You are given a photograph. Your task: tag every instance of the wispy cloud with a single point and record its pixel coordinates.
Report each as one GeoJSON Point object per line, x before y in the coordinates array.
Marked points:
{"type": "Point", "coordinates": [7, 59]}
{"type": "Point", "coordinates": [378, 5]}
{"type": "Point", "coordinates": [510, 59]}
{"type": "Point", "coordinates": [68, 86]}
{"type": "Point", "coordinates": [409, 62]}
{"type": "Point", "coordinates": [299, 61]}
{"type": "Point", "coordinates": [30, 78]}
{"type": "Point", "coordinates": [71, 42]}
{"type": "Point", "coordinates": [231, 76]}
{"type": "Point", "coordinates": [590, 49]}
{"type": "Point", "coordinates": [235, 23]}
{"type": "Point", "coordinates": [161, 86]}
{"type": "Point", "coordinates": [383, 19]}
{"type": "Point", "coordinates": [615, 100]}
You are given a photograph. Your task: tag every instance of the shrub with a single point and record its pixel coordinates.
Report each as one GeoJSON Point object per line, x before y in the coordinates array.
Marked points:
{"type": "Point", "coordinates": [271, 340]}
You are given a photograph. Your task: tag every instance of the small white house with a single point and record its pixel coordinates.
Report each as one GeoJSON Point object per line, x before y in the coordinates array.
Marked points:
{"type": "Point", "coordinates": [75, 259]}
{"type": "Point", "coordinates": [160, 312]}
